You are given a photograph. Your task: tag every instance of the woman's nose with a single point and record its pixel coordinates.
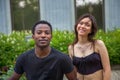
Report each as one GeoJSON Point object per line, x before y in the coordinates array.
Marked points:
{"type": "Point", "coordinates": [83, 25]}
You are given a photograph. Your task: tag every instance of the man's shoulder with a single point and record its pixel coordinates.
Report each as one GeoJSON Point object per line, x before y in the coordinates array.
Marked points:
{"type": "Point", "coordinates": [26, 53]}
{"type": "Point", "coordinates": [59, 54]}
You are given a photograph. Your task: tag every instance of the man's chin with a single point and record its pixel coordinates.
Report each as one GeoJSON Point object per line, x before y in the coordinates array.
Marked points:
{"type": "Point", "coordinates": [43, 46]}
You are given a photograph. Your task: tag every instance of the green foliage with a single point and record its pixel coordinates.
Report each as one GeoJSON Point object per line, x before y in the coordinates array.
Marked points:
{"type": "Point", "coordinates": [112, 42]}
{"type": "Point", "coordinates": [16, 43]}
{"type": "Point", "coordinates": [11, 46]}
{"type": "Point", "coordinates": [61, 40]}
{"type": "Point", "coordinates": [9, 73]}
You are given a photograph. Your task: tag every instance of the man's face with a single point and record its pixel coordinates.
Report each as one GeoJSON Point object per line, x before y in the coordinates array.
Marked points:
{"type": "Point", "coordinates": [42, 35]}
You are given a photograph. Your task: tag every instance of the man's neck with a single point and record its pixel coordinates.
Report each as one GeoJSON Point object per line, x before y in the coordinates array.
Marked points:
{"type": "Point", "coordinates": [42, 52]}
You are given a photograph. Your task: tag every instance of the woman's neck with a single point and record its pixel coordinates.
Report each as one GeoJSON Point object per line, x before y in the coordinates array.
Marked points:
{"type": "Point", "coordinates": [83, 40]}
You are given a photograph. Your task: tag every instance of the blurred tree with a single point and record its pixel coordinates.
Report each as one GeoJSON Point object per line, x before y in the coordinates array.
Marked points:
{"type": "Point", "coordinates": [24, 14]}
{"type": "Point", "coordinates": [93, 8]}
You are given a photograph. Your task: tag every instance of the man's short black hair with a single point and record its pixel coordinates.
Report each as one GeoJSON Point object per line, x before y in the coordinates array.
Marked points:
{"type": "Point", "coordinates": [41, 22]}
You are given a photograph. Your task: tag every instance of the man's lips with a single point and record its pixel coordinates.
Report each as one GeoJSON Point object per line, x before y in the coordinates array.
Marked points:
{"type": "Point", "coordinates": [43, 41]}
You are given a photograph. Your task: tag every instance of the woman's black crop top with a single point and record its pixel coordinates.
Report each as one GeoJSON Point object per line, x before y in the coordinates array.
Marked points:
{"type": "Point", "coordinates": [89, 64]}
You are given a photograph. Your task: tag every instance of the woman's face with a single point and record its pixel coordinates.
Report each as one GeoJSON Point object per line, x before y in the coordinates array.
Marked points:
{"type": "Point", "coordinates": [84, 27]}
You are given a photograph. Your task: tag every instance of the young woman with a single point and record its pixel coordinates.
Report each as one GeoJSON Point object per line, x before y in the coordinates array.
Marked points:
{"type": "Point", "coordinates": [90, 56]}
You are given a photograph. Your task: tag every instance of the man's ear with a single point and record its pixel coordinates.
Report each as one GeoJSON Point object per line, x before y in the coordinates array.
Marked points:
{"type": "Point", "coordinates": [33, 36]}
{"type": "Point", "coordinates": [51, 37]}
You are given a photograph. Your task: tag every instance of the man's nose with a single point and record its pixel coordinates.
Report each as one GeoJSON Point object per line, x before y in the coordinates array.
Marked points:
{"type": "Point", "coordinates": [43, 34]}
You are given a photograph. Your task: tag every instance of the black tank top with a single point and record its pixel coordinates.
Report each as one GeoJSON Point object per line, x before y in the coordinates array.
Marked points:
{"type": "Point", "coordinates": [88, 64]}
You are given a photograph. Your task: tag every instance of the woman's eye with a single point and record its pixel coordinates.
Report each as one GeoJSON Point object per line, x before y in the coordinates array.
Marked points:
{"type": "Point", "coordinates": [81, 23]}
{"type": "Point", "coordinates": [88, 25]}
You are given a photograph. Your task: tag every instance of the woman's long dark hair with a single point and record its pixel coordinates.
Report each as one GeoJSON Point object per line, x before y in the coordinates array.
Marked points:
{"type": "Point", "coordinates": [93, 29]}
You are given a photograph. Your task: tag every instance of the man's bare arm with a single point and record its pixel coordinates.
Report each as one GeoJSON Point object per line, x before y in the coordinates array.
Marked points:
{"type": "Point", "coordinates": [15, 76]}
{"type": "Point", "coordinates": [72, 75]}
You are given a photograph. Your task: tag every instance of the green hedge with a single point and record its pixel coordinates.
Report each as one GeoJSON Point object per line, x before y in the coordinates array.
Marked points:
{"type": "Point", "coordinates": [112, 42]}
{"type": "Point", "coordinates": [11, 46]}
{"type": "Point", "coordinates": [16, 43]}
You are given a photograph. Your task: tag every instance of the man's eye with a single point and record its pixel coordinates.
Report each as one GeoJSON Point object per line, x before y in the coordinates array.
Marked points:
{"type": "Point", "coordinates": [47, 32]}
{"type": "Point", "coordinates": [39, 32]}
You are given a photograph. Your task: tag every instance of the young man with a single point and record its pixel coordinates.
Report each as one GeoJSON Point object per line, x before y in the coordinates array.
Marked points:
{"type": "Point", "coordinates": [43, 62]}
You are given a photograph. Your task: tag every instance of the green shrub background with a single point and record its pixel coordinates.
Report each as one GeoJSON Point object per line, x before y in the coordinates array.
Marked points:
{"type": "Point", "coordinates": [16, 43]}
{"type": "Point", "coordinates": [12, 45]}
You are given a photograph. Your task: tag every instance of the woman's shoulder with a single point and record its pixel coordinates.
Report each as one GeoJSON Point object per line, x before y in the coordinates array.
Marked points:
{"type": "Point", "coordinates": [99, 44]}
{"type": "Point", "coordinates": [70, 47]}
